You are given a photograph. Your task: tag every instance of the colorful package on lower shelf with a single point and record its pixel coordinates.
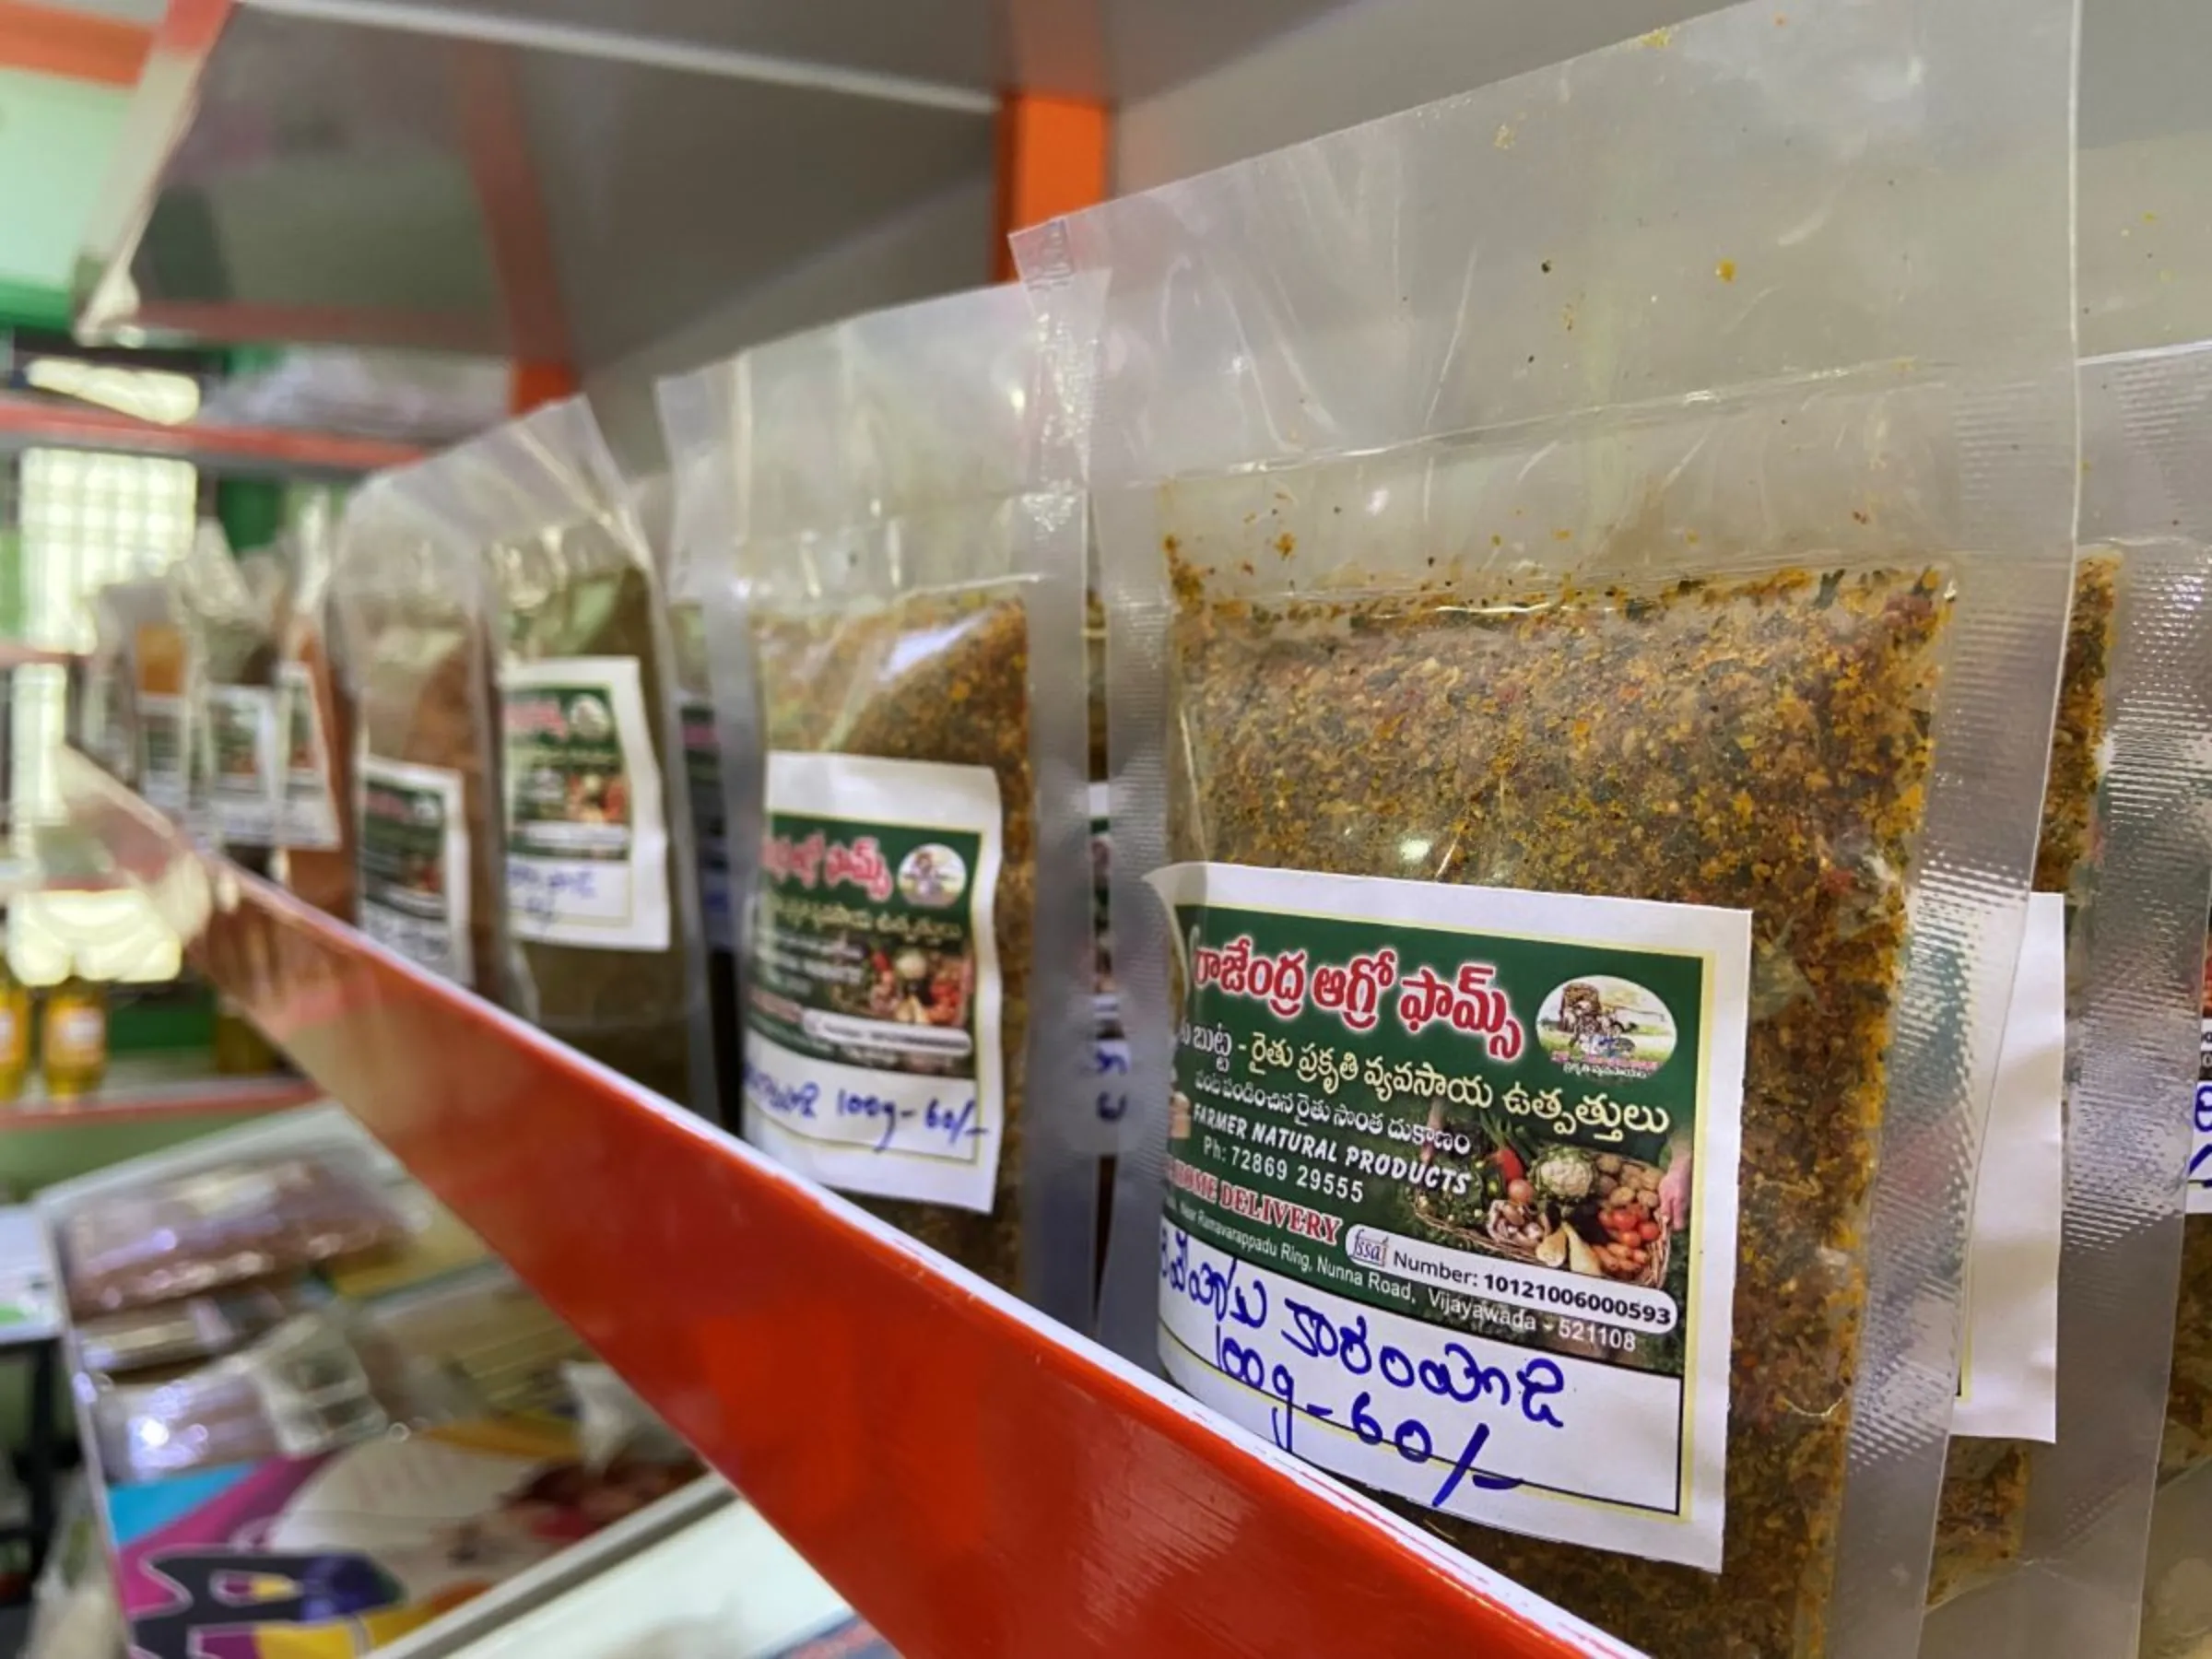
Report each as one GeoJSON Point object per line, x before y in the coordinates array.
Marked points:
{"type": "Point", "coordinates": [320, 1416]}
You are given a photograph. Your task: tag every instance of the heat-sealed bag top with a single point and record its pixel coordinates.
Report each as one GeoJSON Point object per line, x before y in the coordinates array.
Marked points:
{"type": "Point", "coordinates": [897, 647]}
{"type": "Point", "coordinates": [408, 612]}
{"type": "Point", "coordinates": [601, 905]}
{"type": "Point", "coordinates": [2134, 986]}
{"type": "Point", "coordinates": [1577, 559]}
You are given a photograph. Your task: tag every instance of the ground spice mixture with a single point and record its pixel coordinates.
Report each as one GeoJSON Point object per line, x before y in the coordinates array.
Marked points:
{"type": "Point", "coordinates": [628, 1008]}
{"type": "Point", "coordinates": [2188, 1440]}
{"type": "Point", "coordinates": [1982, 1520]}
{"type": "Point", "coordinates": [1756, 742]}
{"type": "Point", "coordinates": [940, 677]}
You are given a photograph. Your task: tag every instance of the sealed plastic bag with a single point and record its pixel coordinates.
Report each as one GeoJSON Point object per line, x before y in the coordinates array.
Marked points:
{"type": "Point", "coordinates": [314, 731]}
{"type": "Point", "coordinates": [2008, 1337]}
{"type": "Point", "coordinates": [230, 1224]}
{"type": "Point", "coordinates": [108, 722]}
{"type": "Point", "coordinates": [594, 828]}
{"type": "Point", "coordinates": [897, 653]}
{"type": "Point", "coordinates": [407, 608]}
{"type": "Point", "coordinates": [688, 533]}
{"type": "Point", "coordinates": [1577, 558]}
{"type": "Point", "coordinates": [2133, 983]}
{"type": "Point", "coordinates": [228, 608]}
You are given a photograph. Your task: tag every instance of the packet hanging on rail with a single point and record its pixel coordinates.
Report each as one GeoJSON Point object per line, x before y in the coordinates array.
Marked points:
{"type": "Point", "coordinates": [894, 651]}
{"type": "Point", "coordinates": [600, 903]}
{"type": "Point", "coordinates": [407, 611]}
{"type": "Point", "coordinates": [228, 608]}
{"type": "Point", "coordinates": [688, 510]}
{"type": "Point", "coordinates": [1465, 528]}
{"type": "Point", "coordinates": [2008, 1337]}
{"type": "Point", "coordinates": [2057, 1531]}
{"type": "Point", "coordinates": [314, 726]}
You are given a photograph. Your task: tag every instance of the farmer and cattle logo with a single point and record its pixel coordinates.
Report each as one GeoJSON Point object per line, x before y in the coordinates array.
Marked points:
{"type": "Point", "coordinates": [933, 877]}
{"type": "Point", "coordinates": [1603, 1027]}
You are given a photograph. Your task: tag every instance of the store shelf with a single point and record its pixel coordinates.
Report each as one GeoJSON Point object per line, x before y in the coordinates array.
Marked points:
{"type": "Point", "coordinates": [972, 1479]}
{"type": "Point", "coordinates": [142, 1089]}
{"type": "Point", "coordinates": [27, 421]}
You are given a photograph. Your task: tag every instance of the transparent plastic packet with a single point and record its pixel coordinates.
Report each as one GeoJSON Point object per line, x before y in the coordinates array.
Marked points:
{"type": "Point", "coordinates": [314, 726]}
{"type": "Point", "coordinates": [2008, 1335]}
{"type": "Point", "coordinates": [1540, 554]}
{"type": "Point", "coordinates": [601, 908]}
{"type": "Point", "coordinates": [407, 615]}
{"type": "Point", "coordinates": [2135, 985]}
{"type": "Point", "coordinates": [687, 529]}
{"type": "Point", "coordinates": [229, 1224]}
{"type": "Point", "coordinates": [198, 1327]}
{"type": "Point", "coordinates": [297, 1390]}
{"type": "Point", "coordinates": [895, 637]}
{"type": "Point", "coordinates": [108, 724]}
{"type": "Point", "coordinates": [229, 610]}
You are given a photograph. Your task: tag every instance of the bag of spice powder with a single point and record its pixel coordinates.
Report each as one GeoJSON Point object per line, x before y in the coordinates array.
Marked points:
{"type": "Point", "coordinates": [2141, 869]}
{"type": "Point", "coordinates": [601, 904]}
{"type": "Point", "coordinates": [1569, 609]}
{"type": "Point", "coordinates": [314, 728]}
{"type": "Point", "coordinates": [896, 650]}
{"type": "Point", "coordinates": [228, 608]}
{"type": "Point", "coordinates": [407, 615]}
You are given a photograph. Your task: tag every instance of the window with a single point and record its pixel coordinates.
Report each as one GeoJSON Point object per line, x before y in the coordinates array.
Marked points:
{"type": "Point", "coordinates": [82, 520]}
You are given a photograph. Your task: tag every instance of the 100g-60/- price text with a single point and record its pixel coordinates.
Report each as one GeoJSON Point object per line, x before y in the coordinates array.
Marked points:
{"type": "Point", "coordinates": [1395, 1397]}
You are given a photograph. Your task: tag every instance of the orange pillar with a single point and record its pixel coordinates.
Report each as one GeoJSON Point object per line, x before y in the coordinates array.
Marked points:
{"type": "Point", "coordinates": [1051, 160]}
{"type": "Point", "coordinates": [75, 45]}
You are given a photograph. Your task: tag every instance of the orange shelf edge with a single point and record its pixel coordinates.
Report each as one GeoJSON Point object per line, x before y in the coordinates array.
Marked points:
{"type": "Point", "coordinates": [972, 1479]}
{"type": "Point", "coordinates": [35, 421]}
{"type": "Point", "coordinates": [208, 1098]}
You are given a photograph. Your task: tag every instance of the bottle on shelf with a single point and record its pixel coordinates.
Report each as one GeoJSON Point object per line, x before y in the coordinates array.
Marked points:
{"type": "Point", "coordinates": [73, 1037]}
{"type": "Point", "coordinates": [15, 1024]}
{"type": "Point", "coordinates": [240, 1051]}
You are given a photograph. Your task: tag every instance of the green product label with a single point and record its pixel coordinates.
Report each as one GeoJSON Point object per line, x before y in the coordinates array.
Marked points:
{"type": "Point", "coordinates": [1482, 1131]}
{"type": "Point", "coordinates": [587, 843]}
{"type": "Point", "coordinates": [414, 863]}
{"type": "Point", "coordinates": [244, 782]}
{"type": "Point", "coordinates": [869, 955]}
{"type": "Point", "coordinates": [571, 792]}
{"type": "Point", "coordinates": [162, 750]}
{"type": "Point", "coordinates": [872, 1001]}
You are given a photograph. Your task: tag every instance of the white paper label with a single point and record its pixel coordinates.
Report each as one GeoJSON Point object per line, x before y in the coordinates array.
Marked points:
{"type": "Point", "coordinates": [162, 750]}
{"type": "Point", "coordinates": [1453, 1193]}
{"type": "Point", "coordinates": [2009, 1342]}
{"type": "Point", "coordinates": [587, 838]}
{"type": "Point", "coordinates": [243, 787]}
{"type": "Point", "coordinates": [309, 817]}
{"type": "Point", "coordinates": [414, 862]}
{"type": "Point", "coordinates": [76, 1036]}
{"type": "Point", "coordinates": [871, 1011]}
